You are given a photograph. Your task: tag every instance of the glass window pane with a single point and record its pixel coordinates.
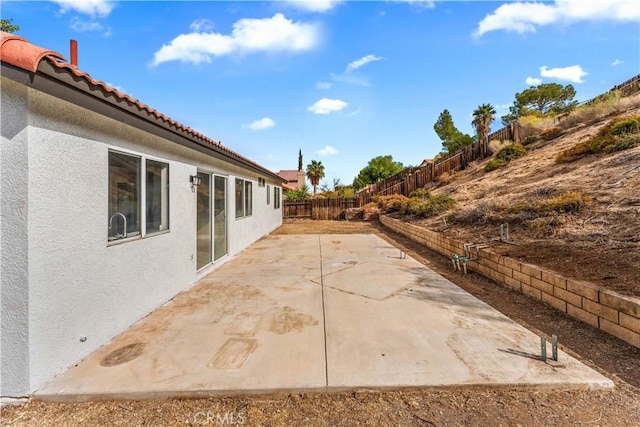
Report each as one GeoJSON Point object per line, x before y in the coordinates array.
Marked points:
{"type": "Point", "coordinates": [239, 198]}
{"type": "Point", "coordinates": [124, 196]}
{"type": "Point", "coordinates": [248, 198]}
{"type": "Point", "coordinates": [203, 214]}
{"type": "Point", "coordinates": [157, 196]}
{"type": "Point", "coordinates": [220, 217]}
{"type": "Point", "coordinates": [276, 197]}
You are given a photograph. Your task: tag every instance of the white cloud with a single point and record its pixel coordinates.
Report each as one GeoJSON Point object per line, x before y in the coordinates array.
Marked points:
{"type": "Point", "coordinates": [88, 7]}
{"type": "Point", "coordinates": [201, 25]}
{"type": "Point", "coordinates": [533, 81]}
{"type": "Point", "coordinates": [429, 4]}
{"type": "Point", "coordinates": [314, 5]}
{"type": "Point", "coordinates": [275, 34]}
{"type": "Point", "coordinates": [83, 26]}
{"type": "Point", "coordinates": [574, 73]}
{"type": "Point", "coordinates": [263, 123]}
{"type": "Point", "coordinates": [327, 151]}
{"type": "Point", "coordinates": [522, 17]}
{"type": "Point", "coordinates": [362, 62]}
{"type": "Point", "coordinates": [350, 79]}
{"type": "Point", "coordinates": [502, 107]}
{"type": "Point", "coordinates": [323, 85]}
{"type": "Point", "coordinates": [326, 106]}
{"type": "Point", "coordinates": [617, 62]}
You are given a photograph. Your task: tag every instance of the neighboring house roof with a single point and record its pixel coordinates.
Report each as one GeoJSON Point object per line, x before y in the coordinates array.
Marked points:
{"type": "Point", "coordinates": [288, 187]}
{"type": "Point", "coordinates": [19, 53]}
{"type": "Point", "coordinates": [289, 175]}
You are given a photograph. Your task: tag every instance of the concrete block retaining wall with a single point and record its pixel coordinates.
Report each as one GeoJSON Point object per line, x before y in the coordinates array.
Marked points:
{"type": "Point", "coordinates": [617, 314]}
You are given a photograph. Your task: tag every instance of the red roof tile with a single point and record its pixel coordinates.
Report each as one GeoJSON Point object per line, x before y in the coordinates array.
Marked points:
{"type": "Point", "coordinates": [19, 52]}
{"type": "Point", "coordinates": [289, 175]}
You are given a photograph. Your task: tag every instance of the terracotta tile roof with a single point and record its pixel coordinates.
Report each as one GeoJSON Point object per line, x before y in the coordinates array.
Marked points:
{"type": "Point", "coordinates": [19, 52]}
{"type": "Point", "coordinates": [289, 175]}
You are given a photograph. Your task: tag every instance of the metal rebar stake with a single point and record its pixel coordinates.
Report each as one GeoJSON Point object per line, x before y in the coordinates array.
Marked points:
{"type": "Point", "coordinates": [554, 347]}
{"type": "Point", "coordinates": [504, 232]}
{"type": "Point", "coordinates": [543, 348]}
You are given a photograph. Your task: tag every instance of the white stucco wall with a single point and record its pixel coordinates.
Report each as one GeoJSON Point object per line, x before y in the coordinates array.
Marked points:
{"type": "Point", "coordinates": [14, 299]}
{"type": "Point", "coordinates": [78, 286]}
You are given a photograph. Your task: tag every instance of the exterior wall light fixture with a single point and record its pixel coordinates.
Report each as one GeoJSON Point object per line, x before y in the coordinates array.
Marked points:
{"type": "Point", "coordinates": [195, 181]}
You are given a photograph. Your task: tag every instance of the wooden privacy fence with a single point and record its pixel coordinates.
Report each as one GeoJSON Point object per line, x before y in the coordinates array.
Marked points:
{"type": "Point", "coordinates": [320, 208]}
{"type": "Point", "coordinates": [629, 87]}
{"type": "Point", "coordinates": [411, 179]}
{"type": "Point", "coordinates": [301, 209]}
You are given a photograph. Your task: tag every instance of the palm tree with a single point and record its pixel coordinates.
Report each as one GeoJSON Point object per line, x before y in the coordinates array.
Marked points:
{"type": "Point", "coordinates": [483, 116]}
{"type": "Point", "coordinates": [315, 172]}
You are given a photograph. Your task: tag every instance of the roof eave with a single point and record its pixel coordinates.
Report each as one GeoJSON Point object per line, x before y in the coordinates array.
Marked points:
{"type": "Point", "coordinates": [59, 82]}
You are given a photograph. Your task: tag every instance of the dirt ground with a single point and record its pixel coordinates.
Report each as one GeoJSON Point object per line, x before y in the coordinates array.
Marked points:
{"type": "Point", "coordinates": [600, 243]}
{"type": "Point", "coordinates": [462, 406]}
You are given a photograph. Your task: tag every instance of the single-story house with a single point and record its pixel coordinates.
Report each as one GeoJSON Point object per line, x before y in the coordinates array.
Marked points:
{"type": "Point", "coordinates": [108, 208]}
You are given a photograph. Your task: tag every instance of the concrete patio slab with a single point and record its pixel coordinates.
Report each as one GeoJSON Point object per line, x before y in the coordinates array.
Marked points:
{"type": "Point", "coordinates": [315, 313]}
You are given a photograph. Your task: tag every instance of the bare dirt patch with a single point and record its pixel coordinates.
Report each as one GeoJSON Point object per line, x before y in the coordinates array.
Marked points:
{"type": "Point", "coordinates": [459, 406]}
{"type": "Point", "coordinates": [596, 239]}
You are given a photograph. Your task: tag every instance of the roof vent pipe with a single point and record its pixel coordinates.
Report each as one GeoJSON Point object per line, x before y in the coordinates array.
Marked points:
{"type": "Point", "coordinates": [73, 46]}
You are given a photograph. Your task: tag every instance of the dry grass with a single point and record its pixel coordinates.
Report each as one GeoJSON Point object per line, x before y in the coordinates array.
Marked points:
{"type": "Point", "coordinates": [617, 135]}
{"type": "Point", "coordinates": [551, 133]}
{"type": "Point", "coordinates": [534, 125]}
{"type": "Point", "coordinates": [532, 212]}
{"type": "Point", "coordinates": [589, 209]}
{"type": "Point", "coordinates": [607, 105]}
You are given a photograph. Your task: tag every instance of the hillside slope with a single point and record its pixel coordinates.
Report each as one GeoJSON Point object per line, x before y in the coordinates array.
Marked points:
{"type": "Point", "coordinates": [597, 239]}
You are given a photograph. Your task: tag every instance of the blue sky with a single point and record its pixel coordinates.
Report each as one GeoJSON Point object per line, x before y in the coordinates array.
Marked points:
{"type": "Point", "coordinates": [345, 81]}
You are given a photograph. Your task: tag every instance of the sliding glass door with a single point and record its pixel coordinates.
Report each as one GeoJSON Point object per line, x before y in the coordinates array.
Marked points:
{"type": "Point", "coordinates": [211, 219]}
{"type": "Point", "coordinates": [203, 201]}
{"type": "Point", "coordinates": [220, 217]}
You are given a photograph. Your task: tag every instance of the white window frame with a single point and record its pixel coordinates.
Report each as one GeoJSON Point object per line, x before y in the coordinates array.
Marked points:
{"type": "Point", "coordinates": [247, 198]}
{"type": "Point", "coordinates": [142, 195]}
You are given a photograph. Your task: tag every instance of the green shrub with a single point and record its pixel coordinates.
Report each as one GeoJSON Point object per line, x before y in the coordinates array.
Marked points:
{"type": "Point", "coordinates": [390, 203]}
{"type": "Point", "coordinates": [629, 125]}
{"type": "Point", "coordinates": [529, 140]}
{"type": "Point", "coordinates": [440, 202]}
{"type": "Point", "coordinates": [432, 205]}
{"type": "Point", "coordinates": [421, 203]}
{"type": "Point", "coordinates": [419, 193]}
{"type": "Point", "coordinates": [505, 155]}
{"type": "Point", "coordinates": [301, 193]}
{"type": "Point", "coordinates": [511, 151]}
{"type": "Point", "coordinates": [494, 164]}
{"type": "Point", "coordinates": [623, 142]}
{"type": "Point", "coordinates": [621, 135]}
